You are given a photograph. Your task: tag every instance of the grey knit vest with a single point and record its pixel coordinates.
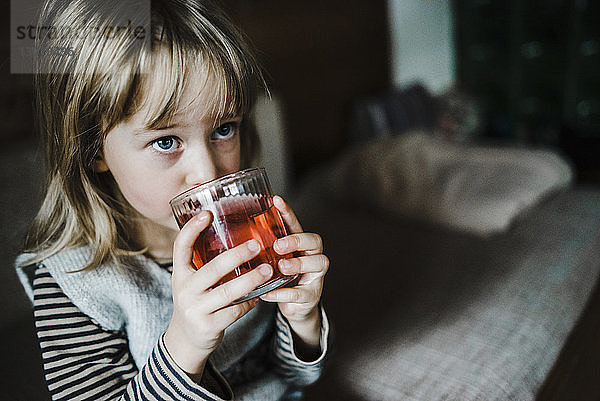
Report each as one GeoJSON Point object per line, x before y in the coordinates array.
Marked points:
{"type": "Point", "coordinates": [118, 299]}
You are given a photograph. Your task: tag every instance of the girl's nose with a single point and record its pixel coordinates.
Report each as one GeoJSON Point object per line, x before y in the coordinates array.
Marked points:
{"type": "Point", "coordinates": [200, 168]}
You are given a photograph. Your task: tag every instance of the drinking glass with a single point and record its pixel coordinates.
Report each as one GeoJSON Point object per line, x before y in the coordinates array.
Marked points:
{"type": "Point", "coordinates": [242, 207]}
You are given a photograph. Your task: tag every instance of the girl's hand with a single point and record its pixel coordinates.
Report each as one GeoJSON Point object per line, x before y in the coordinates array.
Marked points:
{"type": "Point", "coordinates": [299, 304]}
{"type": "Point", "coordinates": [201, 314]}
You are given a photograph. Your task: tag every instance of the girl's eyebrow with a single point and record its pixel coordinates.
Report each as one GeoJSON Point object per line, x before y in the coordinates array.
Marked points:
{"type": "Point", "coordinates": [229, 116]}
{"type": "Point", "coordinates": [232, 117]}
{"type": "Point", "coordinates": [226, 118]}
{"type": "Point", "coordinates": [146, 130]}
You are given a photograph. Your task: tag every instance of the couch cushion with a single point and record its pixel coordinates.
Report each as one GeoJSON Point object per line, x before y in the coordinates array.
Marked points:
{"type": "Point", "coordinates": [480, 189]}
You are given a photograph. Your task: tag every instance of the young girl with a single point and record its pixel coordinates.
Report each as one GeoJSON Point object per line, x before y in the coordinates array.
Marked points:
{"type": "Point", "coordinates": [133, 115]}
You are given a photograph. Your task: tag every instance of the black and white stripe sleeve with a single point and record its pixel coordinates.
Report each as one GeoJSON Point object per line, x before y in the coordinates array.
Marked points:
{"type": "Point", "coordinates": [84, 361]}
{"type": "Point", "coordinates": [287, 364]}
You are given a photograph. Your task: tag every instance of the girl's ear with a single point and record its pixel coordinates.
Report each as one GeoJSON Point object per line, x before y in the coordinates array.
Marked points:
{"type": "Point", "coordinates": [100, 165]}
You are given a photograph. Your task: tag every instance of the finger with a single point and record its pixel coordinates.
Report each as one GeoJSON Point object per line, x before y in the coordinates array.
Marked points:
{"type": "Point", "coordinates": [220, 265]}
{"type": "Point", "coordinates": [225, 294]}
{"type": "Point", "coordinates": [295, 295]}
{"type": "Point", "coordinates": [288, 215]}
{"type": "Point", "coordinates": [182, 247]}
{"type": "Point", "coordinates": [309, 278]}
{"type": "Point", "coordinates": [308, 242]}
{"type": "Point", "coordinates": [229, 315]}
{"type": "Point", "coordinates": [304, 264]}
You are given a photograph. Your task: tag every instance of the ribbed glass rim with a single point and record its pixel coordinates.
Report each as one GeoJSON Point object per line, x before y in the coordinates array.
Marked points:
{"type": "Point", "coordinates": [217, 181]}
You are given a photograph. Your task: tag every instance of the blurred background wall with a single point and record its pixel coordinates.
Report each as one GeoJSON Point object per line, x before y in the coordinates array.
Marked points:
{"type": "Point", "coordinates": [422, 48]}
{"type": "Point", "coordinates": [319, 56]}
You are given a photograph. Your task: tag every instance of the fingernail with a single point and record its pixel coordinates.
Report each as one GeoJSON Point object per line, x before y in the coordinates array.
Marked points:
{"type": "Point", "coordinates": [265, 270]}
{"type": "Point", "coordinates": [282, 244]}
{"type": "Point", "coordinates": [284, 264]}
{"type": "Point", "coordinates": [202, 216]}
{"type": "Point", "coordinates": [253, 245]}
{"type": "Point", "coordinates": [278, 201]}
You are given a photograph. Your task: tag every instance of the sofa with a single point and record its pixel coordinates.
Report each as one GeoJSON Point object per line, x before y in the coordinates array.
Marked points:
{"type": "Point", "coordinates": [461, 289]}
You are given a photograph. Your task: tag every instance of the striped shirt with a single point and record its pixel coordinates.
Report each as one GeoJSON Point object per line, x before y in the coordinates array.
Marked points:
{"type": "Point", "coordinates": [84, 361]}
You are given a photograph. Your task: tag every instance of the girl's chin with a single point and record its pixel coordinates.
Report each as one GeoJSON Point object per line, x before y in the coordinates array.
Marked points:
{"type": "Point", "coordinates": [166, 225]}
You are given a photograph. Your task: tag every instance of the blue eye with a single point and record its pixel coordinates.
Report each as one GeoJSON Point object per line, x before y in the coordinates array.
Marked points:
{"type": "Point", "coordinates": [225, 131]}
{"type": "Point", "coordinates": [166, 144]}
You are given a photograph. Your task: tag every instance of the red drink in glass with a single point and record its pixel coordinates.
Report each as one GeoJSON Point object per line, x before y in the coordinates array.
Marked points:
{"type": "Point", "coordinates": [242, 209]}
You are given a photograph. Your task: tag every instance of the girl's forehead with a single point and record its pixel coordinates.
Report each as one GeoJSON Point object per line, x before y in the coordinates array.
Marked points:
{"type": "Point", "coordinates": [169, 93]}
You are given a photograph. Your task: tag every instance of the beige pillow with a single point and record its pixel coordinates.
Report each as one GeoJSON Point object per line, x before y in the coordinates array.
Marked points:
{"type": "Point", "coordinates": [473, 188]}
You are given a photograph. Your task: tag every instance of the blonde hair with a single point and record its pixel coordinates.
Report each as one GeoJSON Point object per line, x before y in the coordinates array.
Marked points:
{"type": "Point", "coordinates": [97, 80]}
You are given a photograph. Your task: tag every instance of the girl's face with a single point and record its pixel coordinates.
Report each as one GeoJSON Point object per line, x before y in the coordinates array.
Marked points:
{"type": "Point", "coordinates": [151, 167]}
